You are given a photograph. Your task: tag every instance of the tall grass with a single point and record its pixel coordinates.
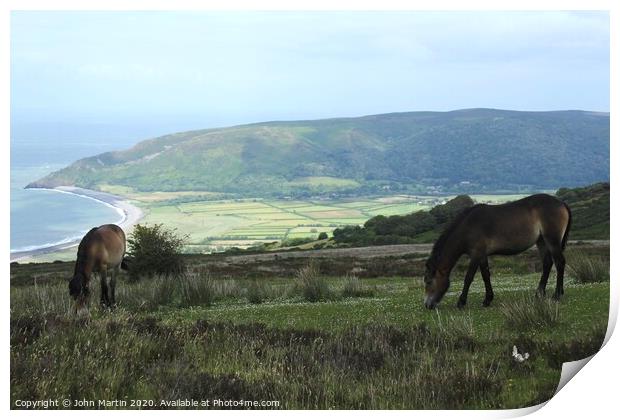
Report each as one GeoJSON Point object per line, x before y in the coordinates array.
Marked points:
{"type": "Point", "coordinates": [458, 329]}
{"type": "Point", "coordinates": [353, 287]}
{"type": "Point", "coordinates": [227, 288]}
{"type": "Point", "coordinates": [530, 312]}
{"type": "Point", "coordinates": [256, 292]}
{"type": "Point", "coordinates": [587, 269]}
{"type": "Point", "coordinates": [311, 285]}
{"type": "Point", "coordinates": [196, 289]}
{"type": "Point", "coordinates": [360, 367]}
{"type": "Point", "coordinates": [147, 294]}
{"type": "Point", "coordinates": [42, 299]}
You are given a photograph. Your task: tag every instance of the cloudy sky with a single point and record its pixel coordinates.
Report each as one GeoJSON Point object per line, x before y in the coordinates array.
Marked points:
{"type": "Point", "coordinates": [220, 68]}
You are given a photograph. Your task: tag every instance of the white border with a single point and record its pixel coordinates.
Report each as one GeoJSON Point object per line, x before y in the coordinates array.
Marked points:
{"type": "Point", "coordinates": [592, 394]}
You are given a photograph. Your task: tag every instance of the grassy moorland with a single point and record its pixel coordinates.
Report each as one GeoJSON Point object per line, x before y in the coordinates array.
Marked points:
{"type": "Point", "coordinates": [313, 331]}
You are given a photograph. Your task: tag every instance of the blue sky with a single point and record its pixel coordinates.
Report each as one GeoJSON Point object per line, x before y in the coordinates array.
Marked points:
{"type": "Point", "coordinates": [221, 68]}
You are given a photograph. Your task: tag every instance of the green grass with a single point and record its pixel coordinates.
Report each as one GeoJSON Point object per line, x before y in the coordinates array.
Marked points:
{"type": "Point", "coordinates": [323, 181]}
{"type": "Point", "coordinates": [261, 339]}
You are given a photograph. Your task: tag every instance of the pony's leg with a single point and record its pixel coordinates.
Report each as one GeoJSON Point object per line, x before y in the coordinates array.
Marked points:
{"type": "Point", "coordinates": [547, 262]}
{"type": "Point", "coordinates": [554, 247]}
{"type": "Point", "coordinates": [560, 262]}
{"type": "Point", "coordinates": [486, 276]}
{"type": "Point", "coordinates": [113, 286]}
{"type": "Point", "coordinates": [105, 301]}
{"type": "Point", "coordinates": [469, 277]}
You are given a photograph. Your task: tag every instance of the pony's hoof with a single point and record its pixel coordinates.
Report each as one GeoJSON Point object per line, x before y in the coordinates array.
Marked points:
{"type": "Point", "coordinates": [486, 303]}
{"type": "Point", "coordinates": [540, 293]}
{"type": "Point", "coordinates": [557, 296]}
{"type": "Point", "coordinates": [461, 304]}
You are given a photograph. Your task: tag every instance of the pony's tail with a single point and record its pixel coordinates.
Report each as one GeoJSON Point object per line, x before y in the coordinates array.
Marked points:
{"type": "Point", "coordinates": [570, 219]}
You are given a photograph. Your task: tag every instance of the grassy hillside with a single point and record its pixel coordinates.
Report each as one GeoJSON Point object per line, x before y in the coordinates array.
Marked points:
{"type": "Point", "coordinates": [467, 150]}
{"type": "Point", "coordinates": [590, 209]}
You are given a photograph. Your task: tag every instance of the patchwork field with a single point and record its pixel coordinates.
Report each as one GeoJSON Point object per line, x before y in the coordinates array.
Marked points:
{"type": "Point", "coordinates": [216, 225]}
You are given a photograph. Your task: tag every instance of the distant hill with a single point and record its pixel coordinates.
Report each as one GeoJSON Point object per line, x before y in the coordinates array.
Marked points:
{"type": "Point", "coordinates": [589, 207]}
{"type": "Point", "coordinates": [470, 150]}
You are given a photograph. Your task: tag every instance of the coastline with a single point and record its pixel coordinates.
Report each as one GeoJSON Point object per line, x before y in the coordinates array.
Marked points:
{"type": "Point", "coordinates": [129, 216]}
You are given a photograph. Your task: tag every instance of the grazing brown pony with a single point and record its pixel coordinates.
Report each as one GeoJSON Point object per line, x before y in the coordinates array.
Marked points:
{"type": "Point", "coordinates": [100, 251]}
{"type": "Point", "coordinates": [504, 229]}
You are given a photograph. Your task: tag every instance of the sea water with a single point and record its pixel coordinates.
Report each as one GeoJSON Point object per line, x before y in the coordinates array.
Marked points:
{"type": "Point", "coordinates": [42, 218]}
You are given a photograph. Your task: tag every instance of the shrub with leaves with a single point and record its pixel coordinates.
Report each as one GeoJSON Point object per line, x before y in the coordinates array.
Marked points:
{"type": "Point", "coordinates": [154, 250]}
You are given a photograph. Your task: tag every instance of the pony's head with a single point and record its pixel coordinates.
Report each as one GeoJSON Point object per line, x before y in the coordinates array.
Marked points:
{"type": "Point", "coordinates": [436, 284]}
{"type": "Point", "coordinates": [437, 274]}
{"type": "Point", "coordinates": [78, 289]}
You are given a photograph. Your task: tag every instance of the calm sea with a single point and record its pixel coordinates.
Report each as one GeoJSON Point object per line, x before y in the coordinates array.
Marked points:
{"type": "Point", "coordinates": [41, 218]}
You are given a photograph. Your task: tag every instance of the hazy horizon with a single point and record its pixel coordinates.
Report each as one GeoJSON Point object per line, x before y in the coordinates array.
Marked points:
{"type": "Point", "coordinates": [185, 70]}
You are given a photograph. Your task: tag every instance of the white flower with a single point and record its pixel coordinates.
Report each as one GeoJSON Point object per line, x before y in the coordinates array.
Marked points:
{"type": "Point", "coordinates": [519, 357]}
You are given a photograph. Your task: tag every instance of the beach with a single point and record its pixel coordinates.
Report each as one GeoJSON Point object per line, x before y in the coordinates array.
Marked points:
{"type": "Point", "coordinates": [129, 215]}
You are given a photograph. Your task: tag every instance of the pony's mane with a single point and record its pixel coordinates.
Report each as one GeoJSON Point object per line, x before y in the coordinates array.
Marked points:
{"type": "Point", "coordinates": [439, 245]}
{"type": "Point", "coordinates": [82, 253]}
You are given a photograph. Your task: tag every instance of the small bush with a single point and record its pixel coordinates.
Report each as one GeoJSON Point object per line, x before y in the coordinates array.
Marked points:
{"type": "Point", "coordinates": [322, 236]}
{"type": "Point", "coordinates": [196, 289]}
{"type": "Point", "coordinates": [311, 285]}
{"type": "Point", "coordinates": [154, 250]}
{"type": "Point", "coordinates": [529, 311]}
{"type": "Point", "coordinates": [353, 288]}
{"type": "Point", "coordinates": [588, 269]}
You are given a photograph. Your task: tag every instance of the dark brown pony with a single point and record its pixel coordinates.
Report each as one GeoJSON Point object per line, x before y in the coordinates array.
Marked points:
{"type": "Point", "coordinates": [100, 251]}
{"type": "Point", "coordinates": [504, 229]}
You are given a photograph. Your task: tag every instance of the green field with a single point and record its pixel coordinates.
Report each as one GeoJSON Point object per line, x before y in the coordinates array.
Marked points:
{"type": "Point", "coordinates": [216, 225]}
{"type": "Point", "coordinates": [365, 342]}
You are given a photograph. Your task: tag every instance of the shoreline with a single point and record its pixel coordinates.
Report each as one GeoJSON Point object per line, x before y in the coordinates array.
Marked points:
{"type": "Point", "coordinates": [130, 215]}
